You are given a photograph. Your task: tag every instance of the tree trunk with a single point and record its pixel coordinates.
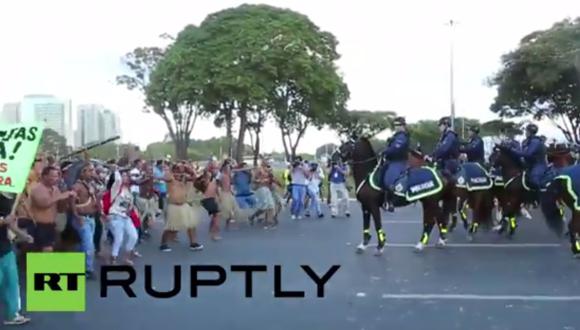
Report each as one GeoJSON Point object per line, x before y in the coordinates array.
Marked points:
{"type": "Point", "coordinates": [286, 151]}
{"type": "Point", "coordinates": [241, 134]}
{"type": "Point", "coordinates": [257, 148]}
{"type": "Point", "coordinates": [180, 149]}
{"type": "Point", "coordinates": [229, 134]}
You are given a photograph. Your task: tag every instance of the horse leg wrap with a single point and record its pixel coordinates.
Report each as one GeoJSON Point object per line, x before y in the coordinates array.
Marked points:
{"type": "Point", "coordinates": [473, 227]}
{"type": "Point", "coordinates": [382, 237]}
{"type": "Point", "coordinates": [366, 236]}
{"type": "Point", "coordinates": [426, 232]}
{"type": "Point", "coordinates": [575, 242]}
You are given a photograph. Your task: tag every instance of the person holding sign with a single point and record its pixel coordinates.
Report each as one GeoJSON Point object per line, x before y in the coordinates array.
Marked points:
{"type": "Point", "coordinates": [44, 200]}
{"type": "Point", "coordinates": [8, 268]}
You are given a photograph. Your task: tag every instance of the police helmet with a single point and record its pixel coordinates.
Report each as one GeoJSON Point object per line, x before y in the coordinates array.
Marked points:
{"type": "Point", "coordinates": [474, 129]}
{"type": "Point", "coordinates": [532, 129]}
{"type": "Point", "coordinates": [399, 121]}
{"type": "Point", "coordinates": [445, 121]}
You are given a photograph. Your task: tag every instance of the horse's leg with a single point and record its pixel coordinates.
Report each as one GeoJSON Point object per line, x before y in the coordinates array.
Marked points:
{"type": "Point", "coordinates": [429, 205]}
{"type": "Point", "coordinates": [511, 209]}
{"type": "Point", "coordinates": [375, 211]}
{"type": "Point", "coordinates": [366, 229]}
{"type": "Point", "coordinates": [454, 213]}
{"type": "Point", "coordinates": [574, 229]}
{"type": "Point", "coordinates": [464, 204]}
{"type": "Point", "coordinates": [476, 203]}
{"type": "Point", "coordinates": [441, 224]}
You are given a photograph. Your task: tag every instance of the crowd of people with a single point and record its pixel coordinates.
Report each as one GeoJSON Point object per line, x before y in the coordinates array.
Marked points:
{"type": "Point", "coordinates": [106, 210]}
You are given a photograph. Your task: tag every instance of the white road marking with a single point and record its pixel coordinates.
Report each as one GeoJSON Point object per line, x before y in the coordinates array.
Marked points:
{"type": "Point", "coordinates": [405, 222]}
{"type": "Point", "coordinates": [481, 245]}
{"type": "Point", "coordinates": [478, 297]}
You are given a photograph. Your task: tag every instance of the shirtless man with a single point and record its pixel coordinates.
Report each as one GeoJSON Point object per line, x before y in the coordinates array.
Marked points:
{"type": "Point", "coordinates": [228, 205]}
{"type": "Point", "coordinates": [264, 197]}
{"type": "Point", "coordinates": [208, 185]}
{"type": "Point", "coordinates": [180, 215]}
{"type": "Point", "coordinates": [44, 200]}
{"type": "Point", "coordinates": [85, 209]}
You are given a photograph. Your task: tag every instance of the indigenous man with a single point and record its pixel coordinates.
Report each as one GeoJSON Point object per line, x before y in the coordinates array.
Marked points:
{"type": "Point", "coordinates": [86, 207]}
{"type": "Point", "coordinates": [180, 215]}
{"type": "Point", "coordinates": [228, 206]}
{"type": "Point", "coordinates": [44, 199]}
{"type": "Point", "coordinates": [265, 202]}
{"type": "Point", "coordinates": [146, 203]}
{"type": "Point", "coordinates": [208, 185]}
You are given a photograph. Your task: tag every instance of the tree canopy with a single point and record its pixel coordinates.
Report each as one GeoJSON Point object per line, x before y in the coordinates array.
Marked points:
{"type": "Point", "coordinates": [247, 64]}
{"type": "Point", "coordinates": [541, 78]}
{"type": "Point", "coordinates": [53, 143]}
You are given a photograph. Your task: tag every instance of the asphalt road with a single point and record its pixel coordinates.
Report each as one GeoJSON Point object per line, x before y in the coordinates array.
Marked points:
{"type": "Point", "coordinates": [532, 283]}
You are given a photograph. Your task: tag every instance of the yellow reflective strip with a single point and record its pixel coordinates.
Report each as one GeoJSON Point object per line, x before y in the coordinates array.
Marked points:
{"type": "Point", "coordinates": [443, 230]}
{"type": "Point", "coordinates": [513, 222]}
{"type": "Point", "coordinates": [367, 231]}
{"type": "Point", "coordinates": [425, 238]}
{"type": "Point", "coordinates": [577, 245]}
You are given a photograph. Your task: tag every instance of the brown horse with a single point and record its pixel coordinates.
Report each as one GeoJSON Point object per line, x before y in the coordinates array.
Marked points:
{"type": "Point", "coordinates": [363, 161]}
{"type": "Point", "coordinates": [481, 204]}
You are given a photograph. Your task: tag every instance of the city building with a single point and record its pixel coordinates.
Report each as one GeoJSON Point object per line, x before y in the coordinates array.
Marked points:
{"type": "Point", "coordinates": [10, 113]}
{"type": "Point", "coordinates": [90, 123]}
{"type": "Point", "coordinates": [46, 109]}
{"type": "Point", "coordinates": [111, 124]}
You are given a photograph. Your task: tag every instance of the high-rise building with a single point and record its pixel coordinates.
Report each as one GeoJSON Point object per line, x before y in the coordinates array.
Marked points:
{"type": "Point", "coordinates": [46, 109]}
{"type": "Point", "coordinates": [90, 123]}
{"type": "Point", "coordinates": [10, 113]}
{"type": "Point", "coordinates": [111, 127]}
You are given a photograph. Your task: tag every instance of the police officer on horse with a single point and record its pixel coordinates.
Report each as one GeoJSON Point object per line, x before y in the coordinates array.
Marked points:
{"type": "Point", "coordinates": [533, 152]}
{"type": "Point", "coordinates": [396, 156]}
{"type": "Point", "coordinates": [447, 150]}
{"type": "Point", "coordinates": [474, 148]}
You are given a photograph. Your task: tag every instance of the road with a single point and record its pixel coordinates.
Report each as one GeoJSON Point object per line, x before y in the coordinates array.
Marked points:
{"type": "Point", "coordinates": [530, 282]}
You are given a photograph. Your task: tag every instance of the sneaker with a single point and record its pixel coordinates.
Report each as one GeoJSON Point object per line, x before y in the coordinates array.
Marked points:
{"type": "Point", "coordinates": [320, 216]}
{"type": "Point", "coordinates": [164, 248]}
{"type": "Point", "coordinates": [196, 247]}
{"type": "Point", "coordinates": [307, 215]}
{"type": "Point", "coordinates": [347, 214]}
{"type": "Point", "coordinates": [136, 254]}
{"type": "Point", "coordinates": [17, 320]}
{"type": "Point", "coordinates": [293, 217]}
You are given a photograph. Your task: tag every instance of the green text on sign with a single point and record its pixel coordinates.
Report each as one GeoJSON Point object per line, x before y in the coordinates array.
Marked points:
{"type": "Point", "coordinates": [55, 282]}
{"type": "Point", "coordinates": [18, 145]}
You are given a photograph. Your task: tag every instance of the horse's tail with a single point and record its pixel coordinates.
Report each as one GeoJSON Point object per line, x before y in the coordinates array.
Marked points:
{"type": "Point", "coordinates": [483, 213]}
{"type": "Point", "coordinates": [549, 205]}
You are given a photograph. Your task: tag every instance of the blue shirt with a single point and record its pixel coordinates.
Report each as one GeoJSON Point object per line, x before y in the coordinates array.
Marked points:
{"type": "Point", "coordinates": [336, 176]}
{"type": "Point", "coordinates": [475, 150]}
{"type": "Point", "coordinates": [241, 182]}
{"type": "Point", "coordinates": [398, 147]}
{"type": "Point", "coordinates": [448, 147]}
{"type": "Point", "coordinates": [160, 185]}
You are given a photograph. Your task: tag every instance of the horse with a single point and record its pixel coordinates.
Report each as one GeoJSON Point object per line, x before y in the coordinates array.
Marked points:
{"type": "Point", "coordinates": [479, 198]}
{"type": "Point", "coordinates": [564, 189]}
{"type": "Point", "coordinates": [364, 163]}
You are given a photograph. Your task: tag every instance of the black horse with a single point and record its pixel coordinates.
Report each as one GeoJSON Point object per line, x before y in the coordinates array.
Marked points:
{"type": "Point", "coordinates": [364, 163]}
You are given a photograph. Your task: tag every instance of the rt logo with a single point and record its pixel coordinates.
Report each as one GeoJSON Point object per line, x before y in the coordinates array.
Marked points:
{"type": "Point", "coordinates": [55, 282]}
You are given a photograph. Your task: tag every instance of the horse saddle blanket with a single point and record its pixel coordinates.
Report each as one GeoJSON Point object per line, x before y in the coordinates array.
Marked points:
{"type": "Point", "coordinates": [418, 183]}
{"type": "Point", "coordinates": [473, 177]}
{"type": "Point", "coordinates": [571, 176]}
{"type": "Point", "coordinates": [497, 177]}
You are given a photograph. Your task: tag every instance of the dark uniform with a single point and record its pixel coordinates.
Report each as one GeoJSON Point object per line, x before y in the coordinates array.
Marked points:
{"type": "Point", "coordinates": [474, 149]}
{"type": "Point", "coordinates": [447, 150]}
{"type": "Point", "coordinates": [533, 152]}
{"type": "Point", "coordinates": [396, 156]}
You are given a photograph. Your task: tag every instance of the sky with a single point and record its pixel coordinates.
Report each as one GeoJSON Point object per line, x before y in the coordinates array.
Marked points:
{"type": "Point", "coordinates": [395, 54]}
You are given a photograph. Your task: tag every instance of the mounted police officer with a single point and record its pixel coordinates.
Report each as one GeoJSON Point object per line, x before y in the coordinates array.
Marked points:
{"type": "Point", "coordinates": [533, 152]}
{"type": "Point", "coordinates": [474, 148]}
{"type": "Point", "coordinates": [396, 156]}
{"type": "Point", "coordinates": [447, 150]}
{"type": "Point", "coordinates": [507, 139]}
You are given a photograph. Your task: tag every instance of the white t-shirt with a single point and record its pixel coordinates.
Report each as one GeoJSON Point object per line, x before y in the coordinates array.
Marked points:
{"type": "Point", "coordinates": [135, 175]}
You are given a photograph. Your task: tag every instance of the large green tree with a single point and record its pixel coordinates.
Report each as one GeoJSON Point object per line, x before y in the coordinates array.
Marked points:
{"type": "Point", "coordinates": [53, 143]}
{"type": "Point", "coordinates": [541, 78]}
{"type": "Point", "coordinates": [362, 122]}
{"type": "Point", "coordinates": [154, 72]}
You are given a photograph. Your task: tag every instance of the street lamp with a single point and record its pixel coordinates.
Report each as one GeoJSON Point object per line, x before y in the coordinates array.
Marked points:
{"type": "Point", "coordinates": [451, 25]}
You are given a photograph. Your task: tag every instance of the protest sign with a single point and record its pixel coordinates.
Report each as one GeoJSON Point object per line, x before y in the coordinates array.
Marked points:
{"type": "Point", "coordinates": [18, 145]}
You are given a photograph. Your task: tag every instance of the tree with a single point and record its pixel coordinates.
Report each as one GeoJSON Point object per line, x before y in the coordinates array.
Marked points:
{"type": "Point", "coordinates": [541, 78]}
{"type": "Point", "coordinates": [494, 127]}
{"type": "Point", "coordinates": [53, 143]}
{"type": "Point", "coordinates": [362, 122]}
{"type": "Point", "coordinates": [152, 71]}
